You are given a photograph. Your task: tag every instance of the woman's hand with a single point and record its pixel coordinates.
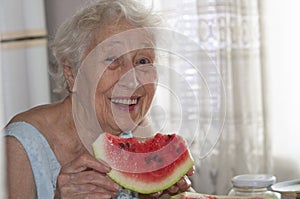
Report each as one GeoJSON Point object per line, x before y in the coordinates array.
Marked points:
{"type": "Point", "coordinates": [85, 177]}
{"type": "Point", "coordinates": [184, 184]}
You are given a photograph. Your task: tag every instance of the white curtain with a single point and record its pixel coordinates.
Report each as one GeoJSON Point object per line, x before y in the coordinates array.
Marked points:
{"type": "Point", "coordinates": [281, 46]}
{"type": "Point", "coordinates": [23, 52]}
{"type": "Point", "coordinates": [229, 30]}
{"type": "Point", "coordinates": [24, 80]}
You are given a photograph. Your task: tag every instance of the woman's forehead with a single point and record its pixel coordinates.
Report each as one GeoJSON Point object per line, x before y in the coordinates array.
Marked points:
{"type": "Point", "coordinates": [124, 34]}
{"type": "Point", "coordinates": [127, 43]}
{"type": "Point", "coordinates": [122, 38]}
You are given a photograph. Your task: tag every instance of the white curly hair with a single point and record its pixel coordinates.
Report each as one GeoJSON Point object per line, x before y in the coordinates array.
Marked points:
{"type": "Point", "coordinates": [75, 33]}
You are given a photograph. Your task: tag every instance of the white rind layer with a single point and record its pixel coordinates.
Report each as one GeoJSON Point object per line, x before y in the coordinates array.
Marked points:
{"type": "Point", "coordinates": [147, 187]}
{"type": "Point", "coordinates": [140, 186]}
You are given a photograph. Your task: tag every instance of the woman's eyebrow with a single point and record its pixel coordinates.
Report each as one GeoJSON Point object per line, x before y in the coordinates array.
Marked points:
{"type": "Point", "coordinates": [113, 44]}
{"type": "Point", "coordinates": [147, 44]}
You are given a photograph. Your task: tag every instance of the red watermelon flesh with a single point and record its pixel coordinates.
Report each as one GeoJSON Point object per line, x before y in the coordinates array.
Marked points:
{"type": "Point", "coordinates": [145, 166]}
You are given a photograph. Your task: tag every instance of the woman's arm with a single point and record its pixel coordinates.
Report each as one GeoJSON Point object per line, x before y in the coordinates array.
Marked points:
{"type": "Point", "coordinates": [20, 180]}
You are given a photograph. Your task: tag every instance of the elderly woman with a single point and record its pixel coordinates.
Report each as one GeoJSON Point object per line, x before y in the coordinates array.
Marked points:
{"type": "Point", "coordinates": [104, 69]}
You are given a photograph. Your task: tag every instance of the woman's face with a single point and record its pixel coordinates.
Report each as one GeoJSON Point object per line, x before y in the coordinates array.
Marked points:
{"type": "Point", "coordinates": [127, 80]}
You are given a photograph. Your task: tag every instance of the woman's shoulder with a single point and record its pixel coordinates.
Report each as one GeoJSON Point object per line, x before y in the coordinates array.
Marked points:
{"type": "Point", "coordinates": [35, 114]}
{"type": "Point", "coordinates": [31, 121]}
{"type": "Point", "coordinates": [49, 121]}
{"type": "Point", "coordinates": [43, 115]}
{"type": "Point", "coordinates": [25, 128]}
{"type": "Point", "coordinates": [41, 119]}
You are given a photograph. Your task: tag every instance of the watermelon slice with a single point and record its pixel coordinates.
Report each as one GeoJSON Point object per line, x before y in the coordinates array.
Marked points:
{"type": "Point", "coordinates": [145, 166]}
{"type": "Point", "coordinates": [193, 195]}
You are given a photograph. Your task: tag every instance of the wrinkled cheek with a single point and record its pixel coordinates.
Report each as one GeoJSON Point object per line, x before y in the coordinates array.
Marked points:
{"type": "Point", "coordinates": [102, 103]}
{"type": "Point", "coordinates": [146, 77]}
{"type": "Point", "coordinates": [150, 90]}
{"type": "Point", "coordinates": [102, 109]}
{"type": "Point", "coordinates": [107, 81]}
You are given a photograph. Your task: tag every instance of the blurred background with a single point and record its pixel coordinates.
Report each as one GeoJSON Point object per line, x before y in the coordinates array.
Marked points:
{"type": "Point", "coordinates": [254, 43]}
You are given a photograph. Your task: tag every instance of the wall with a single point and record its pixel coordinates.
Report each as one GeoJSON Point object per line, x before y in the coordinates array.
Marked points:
{"type": "Point", "coordinates": [2, 165]}
{"type": "Point", "coordinates": [58, 10]}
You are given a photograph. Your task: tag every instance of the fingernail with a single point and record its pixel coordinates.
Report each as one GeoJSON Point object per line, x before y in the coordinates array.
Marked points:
{"type": "Point", "coordinates": [188, 181]}
{"type": "Point", "coordinates": [107, 196]}
{"type": "Point", "coordinates": [181, 182]}
{"type": "Point", "coordinates": [156, 195]}
{"type": "Point", "coordinates": [114, 195]}
{"type": "Point", "coordinates": [173, 189]}
{"type": "Point", "coordinates": [191, 172]}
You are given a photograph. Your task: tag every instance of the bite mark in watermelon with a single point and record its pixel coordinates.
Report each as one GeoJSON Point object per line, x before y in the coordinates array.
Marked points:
{"type": "Point", "coordinates": [145, 166]}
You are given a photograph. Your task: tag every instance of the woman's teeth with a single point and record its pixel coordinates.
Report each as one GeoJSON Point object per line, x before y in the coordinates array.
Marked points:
{"type": "Point", "coordinates": [124, 101]}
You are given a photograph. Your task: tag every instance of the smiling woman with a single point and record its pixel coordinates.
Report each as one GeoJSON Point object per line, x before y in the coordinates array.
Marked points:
{"type": "Point", "coordinates": [105, 57]}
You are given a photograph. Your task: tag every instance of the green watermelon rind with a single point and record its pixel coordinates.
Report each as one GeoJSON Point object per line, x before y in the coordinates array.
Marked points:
{"type": "Point", "coordinates": [96, 152]}
{"type": "Point", "coordinates": [155, 187]}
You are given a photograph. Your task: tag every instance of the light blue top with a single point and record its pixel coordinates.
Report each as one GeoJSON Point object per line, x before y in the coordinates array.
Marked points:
{"type": "Point", "coordinates": [44, 163]}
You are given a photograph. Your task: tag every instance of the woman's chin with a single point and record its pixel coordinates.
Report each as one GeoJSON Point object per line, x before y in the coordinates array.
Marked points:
{"type": "Point", "coordinates": [126, 125]}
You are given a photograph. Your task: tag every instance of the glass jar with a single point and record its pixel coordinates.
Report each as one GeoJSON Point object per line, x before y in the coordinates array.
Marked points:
{"type": "Point", "coordinates": [253, 185]}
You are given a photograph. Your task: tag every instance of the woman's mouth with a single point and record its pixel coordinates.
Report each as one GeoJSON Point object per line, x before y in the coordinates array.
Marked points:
{"type": "Point", "coordinates": [125, 103]}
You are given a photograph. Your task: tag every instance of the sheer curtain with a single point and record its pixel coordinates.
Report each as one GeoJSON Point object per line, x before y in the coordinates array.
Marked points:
{"type": "Point", "coordinates": [281, 46]}
{"type": "Point", "coordinates": [229, 31]}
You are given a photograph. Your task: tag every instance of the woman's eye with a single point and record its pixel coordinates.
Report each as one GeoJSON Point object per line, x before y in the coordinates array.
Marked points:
{"type": "Point", "coordinates": [110, 59]}
{"type": "Point", "coordinates": [143, 61]}
{"type": "Point", "coordinates": [113, 62]}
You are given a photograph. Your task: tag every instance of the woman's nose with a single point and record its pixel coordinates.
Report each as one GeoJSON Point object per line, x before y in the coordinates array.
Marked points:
{"type": "Point", "coordinates": [128, 78]}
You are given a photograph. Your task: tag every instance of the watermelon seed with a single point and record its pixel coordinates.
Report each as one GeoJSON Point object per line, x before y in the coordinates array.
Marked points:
{"type": "Point", "coordinates": [177, 150]}
{"type": "Point", "coordinates": [127, 145]}
{"type": "Point", "coordinates": [148, 159]}
{"type": "Point", "coordinates": [122, 145]}
{"type": "Point", "coordinates": [155, 158]}
{"type": "Point", "coordinates": [158, 159]}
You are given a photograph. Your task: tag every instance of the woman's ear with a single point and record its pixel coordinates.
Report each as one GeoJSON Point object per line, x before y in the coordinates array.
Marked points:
{"type": "Point", "coordinates": [70, 77]}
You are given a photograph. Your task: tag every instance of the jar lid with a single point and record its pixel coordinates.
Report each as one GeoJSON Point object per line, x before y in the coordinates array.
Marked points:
{"type": "Point", "coordinates": [253, 180]}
